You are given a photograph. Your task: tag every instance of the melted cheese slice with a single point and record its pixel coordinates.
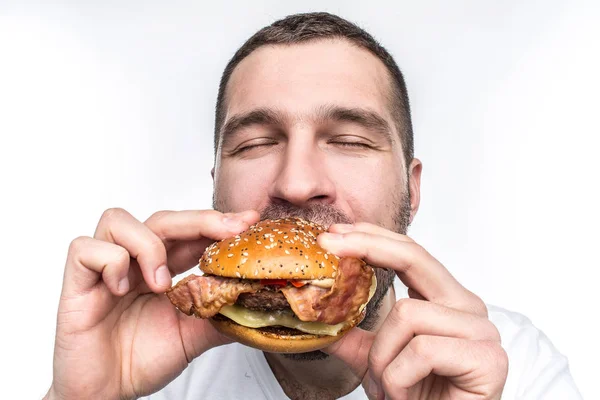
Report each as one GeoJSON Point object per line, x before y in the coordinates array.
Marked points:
{"type": "Point", "coordinates": [260, 319]}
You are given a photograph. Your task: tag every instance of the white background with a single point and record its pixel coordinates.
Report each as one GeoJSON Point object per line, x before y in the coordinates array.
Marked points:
{"type": "Point", "coordinates": [111, 103]}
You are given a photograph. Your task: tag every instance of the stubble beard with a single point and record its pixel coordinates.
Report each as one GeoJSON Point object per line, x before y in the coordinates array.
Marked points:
{"type": "Point", "coordinates": [327, 215]}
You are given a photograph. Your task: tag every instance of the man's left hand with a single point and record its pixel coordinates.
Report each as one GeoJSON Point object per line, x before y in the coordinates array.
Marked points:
{"type": "Point", "coordinates": [437, 344]}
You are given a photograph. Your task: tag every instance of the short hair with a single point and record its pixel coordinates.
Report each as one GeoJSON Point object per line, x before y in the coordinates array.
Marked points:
{"type": "Point", "coordinates": [300, 28]}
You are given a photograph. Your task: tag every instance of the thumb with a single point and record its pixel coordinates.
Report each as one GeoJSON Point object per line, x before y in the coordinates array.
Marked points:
{"type": "Point", "coordinates": [353, 349]}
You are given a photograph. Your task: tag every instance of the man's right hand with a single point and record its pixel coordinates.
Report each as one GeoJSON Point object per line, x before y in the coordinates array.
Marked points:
{"type": "Point", "coordinates": [117, 335]}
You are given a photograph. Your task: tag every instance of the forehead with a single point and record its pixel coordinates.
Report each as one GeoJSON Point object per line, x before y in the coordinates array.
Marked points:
{"type": "Point", "coordinates": [299, 78]}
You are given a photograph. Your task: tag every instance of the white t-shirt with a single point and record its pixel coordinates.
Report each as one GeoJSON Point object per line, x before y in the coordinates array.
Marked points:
{"type": "Point", "coordinates": [536, 369]}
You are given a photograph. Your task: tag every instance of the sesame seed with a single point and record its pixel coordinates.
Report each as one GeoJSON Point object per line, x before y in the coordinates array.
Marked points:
{"type": "Point", "coordinates": [258, 242]}
{"type": "Point", "coordinates": [229, 255]}
{"type": "Point", "coordinates": [306, 257]}
{"type": "Point", "coordinates": [326, 256]}
{"type": "Point", "coordinates": [287, 252]}
{"type": "Point", "coordinates": [245, 254]}
{"type": "Point", "coordinates": [238, 274]}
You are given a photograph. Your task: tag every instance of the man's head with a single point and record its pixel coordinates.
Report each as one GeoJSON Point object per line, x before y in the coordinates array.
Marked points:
{"type": "Point", "coordinates": [313, 120]}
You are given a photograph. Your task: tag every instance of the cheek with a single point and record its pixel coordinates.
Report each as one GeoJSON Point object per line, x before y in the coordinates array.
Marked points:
{"type": "Point", "coordinates": [370, 188]}
{"type": "Point", "coordinates": [243, 186]}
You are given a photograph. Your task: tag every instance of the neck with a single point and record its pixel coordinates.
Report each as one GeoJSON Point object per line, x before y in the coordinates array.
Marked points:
{"type": "Point", "coordinates": [321, 379]}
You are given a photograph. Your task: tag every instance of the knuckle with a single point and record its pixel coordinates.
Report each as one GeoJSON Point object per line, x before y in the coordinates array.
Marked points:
{"type": "Point", "coordinates": [112, 213]}
{"type": "Point", "coordinates": [121, 257]}
{"type": "Point", "coordinates": [420, 346]}
{"type": "Point", "coordinates": [495, 355]}
{"type": "Point", "coordinates": [479, 307]}
{"type": "Point", "coordinates": [155, 245]}
{"type": "Point", "coordinates": [409, 239]}
{"type": "Point", "coordinates": [157, 216]}
{"type": "Point", "coordinates": [78, 244]}
{"type": "Point", "coordinates": [401, 311]}
{"type": "Point", "coordinates": [388, 380]}
{"type": "Point", "coordinates": [493, 332]}
{"type": "Point", "coordinates": [375, 360]}
{"type": "Point", "coordinates": [502, 361]}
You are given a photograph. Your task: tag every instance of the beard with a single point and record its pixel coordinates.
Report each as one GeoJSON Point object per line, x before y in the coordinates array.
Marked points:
{"type": "Point", "coordinates": [327, 215]}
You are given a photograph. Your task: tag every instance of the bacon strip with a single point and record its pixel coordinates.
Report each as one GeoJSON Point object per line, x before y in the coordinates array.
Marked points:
{"type": "Point", "coordinates": [203, 296]}
{"type": "Point", "coordinates": [350, 290]}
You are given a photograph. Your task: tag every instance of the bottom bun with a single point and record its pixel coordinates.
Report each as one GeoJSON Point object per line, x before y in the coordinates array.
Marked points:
{"type": "Point", "coordinates": [274, 339]}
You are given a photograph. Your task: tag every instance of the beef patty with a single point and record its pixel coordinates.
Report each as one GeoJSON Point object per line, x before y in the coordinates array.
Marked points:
{"type": "Point", "coordinates": [263, 300]}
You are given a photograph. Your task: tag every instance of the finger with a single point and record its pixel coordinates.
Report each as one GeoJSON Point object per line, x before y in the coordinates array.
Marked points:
{"type": "Point", "coordinates": [413, 265]}
{"type": "Point", "coordinates": [353, 349]}
{"type": "Point", "coordinates": [369, 228]}
{"type": "Point", "coordinates": [409, 318]}
{"type": "Point", "coordinates": [119, 227]}
{"type": "Point", "coordinates": [186, 234]}
{"type": "Point", "coordinates": [473, 367]}
{"type": "Point", "coordinates": [90, 260]}
{"type": "Point", "coordinates": [189, 225]}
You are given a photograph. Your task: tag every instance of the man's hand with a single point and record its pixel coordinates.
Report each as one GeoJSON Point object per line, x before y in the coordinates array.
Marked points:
{"type": "Point", "coordinates": [117, 335]}
{"type": "Point", "coordinates": [438, 344]}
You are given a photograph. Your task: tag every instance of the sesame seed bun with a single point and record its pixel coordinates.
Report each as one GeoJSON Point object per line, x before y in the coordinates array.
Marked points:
{"type": "Point", "coordinates": [279, 339]}
{"type": "Point", "coordinates": [272, 249]}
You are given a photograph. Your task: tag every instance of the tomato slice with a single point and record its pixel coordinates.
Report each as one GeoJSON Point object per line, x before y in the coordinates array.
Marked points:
{"type": "Point", "coordinates": [274, 282]}
{"type": "Point", "coordinates": [281, 282]}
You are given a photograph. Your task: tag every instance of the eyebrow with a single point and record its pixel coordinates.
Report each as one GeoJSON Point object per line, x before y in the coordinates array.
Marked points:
{"type": "Point", "coordinates": [364, 117]}
{"type": "Point", "coordinates": [267, 116]}
{"type": "Point", "coordinates": [260, 116]}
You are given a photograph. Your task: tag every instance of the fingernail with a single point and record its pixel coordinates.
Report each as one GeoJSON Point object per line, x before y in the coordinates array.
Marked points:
{"type": "Point", "coordinates": [123, 286]}
{"type": "Point", "coordinates": [344, 228]}
{"type": "Point", "coordinates": [162, 276]}
{"type": "Point", "coordinates": [332, 236]}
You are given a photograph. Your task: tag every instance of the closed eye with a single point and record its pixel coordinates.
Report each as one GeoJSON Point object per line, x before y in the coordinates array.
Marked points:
{"type": "Point", "coordinates": [251, 146]}
{"type": "Point", "coordinates": [351, 144]}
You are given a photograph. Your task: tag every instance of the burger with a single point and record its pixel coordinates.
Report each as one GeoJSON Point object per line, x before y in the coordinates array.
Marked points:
{"type": "Point", "coordinates": [272, 287]}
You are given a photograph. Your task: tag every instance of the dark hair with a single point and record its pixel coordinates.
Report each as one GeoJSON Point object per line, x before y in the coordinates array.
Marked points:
{"type": "Point", "coordinates": [300, 28]}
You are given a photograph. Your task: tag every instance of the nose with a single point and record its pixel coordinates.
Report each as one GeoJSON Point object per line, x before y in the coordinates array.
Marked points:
{"type": "Point", "coordinates": [302, 177]}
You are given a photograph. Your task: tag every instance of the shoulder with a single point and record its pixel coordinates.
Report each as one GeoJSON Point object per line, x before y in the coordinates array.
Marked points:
{"type": "Point", "coordinates": [536, 368]}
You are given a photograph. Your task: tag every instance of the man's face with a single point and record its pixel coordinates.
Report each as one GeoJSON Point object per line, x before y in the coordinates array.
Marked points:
{"type": "Point", "coordinates": [308, 126]}
{"type": "Point", "coordinates": [308, 132]}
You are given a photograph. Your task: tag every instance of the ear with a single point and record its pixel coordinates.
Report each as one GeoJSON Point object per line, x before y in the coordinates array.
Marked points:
{"type": "Point", "coordinates": [414, 186]}
{"type": "Point", "coordinates": [212, 173]}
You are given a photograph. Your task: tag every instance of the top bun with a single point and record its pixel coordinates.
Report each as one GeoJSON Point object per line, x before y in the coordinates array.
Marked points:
{"type": "Point", "coordinates": [272, 249]}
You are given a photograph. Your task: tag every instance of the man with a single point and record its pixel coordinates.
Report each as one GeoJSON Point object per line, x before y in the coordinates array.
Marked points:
{"type": "Point", "coordinates": [313, 120]}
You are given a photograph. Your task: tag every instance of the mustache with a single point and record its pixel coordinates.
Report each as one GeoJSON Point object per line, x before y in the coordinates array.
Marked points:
{"type": "Point", "coordinates": [323, 214]}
